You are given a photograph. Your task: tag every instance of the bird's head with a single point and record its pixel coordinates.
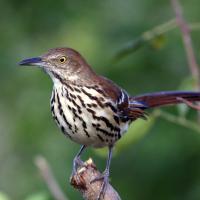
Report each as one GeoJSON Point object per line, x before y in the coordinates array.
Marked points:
{"type": "Point", "coordinates": [63, 63]}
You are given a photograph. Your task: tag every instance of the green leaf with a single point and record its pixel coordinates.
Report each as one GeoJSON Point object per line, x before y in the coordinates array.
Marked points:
{"type": "Point", "coordinates": [158, 42]}
{"type": "Point", "coordinates": [136, 131]}
{"type": "Point", "coordinates": [3, 196]}
{"type": "Point", "coordinates": [38, 196]}
{"type": "Point", "coordinates": [153, 36]}
{"type": "Point", "coordinates": [188, 83]}
{"type": "Point", "coordinates": [182, 109]}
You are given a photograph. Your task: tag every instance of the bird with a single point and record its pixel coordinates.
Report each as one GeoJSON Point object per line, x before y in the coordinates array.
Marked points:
{"type": "Point", "coordinates": [92, 110]}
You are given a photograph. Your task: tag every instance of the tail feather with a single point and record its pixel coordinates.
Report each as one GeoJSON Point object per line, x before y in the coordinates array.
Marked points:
{"type": "Point", "coordinates": [156, 99]}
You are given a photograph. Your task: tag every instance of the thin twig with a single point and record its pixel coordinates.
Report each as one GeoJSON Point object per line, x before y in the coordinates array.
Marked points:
{"type": "Point", "coordinates": [159, 30]}
{"type": "Point", "coordinates": [134, 45]}
{"type": "Point", "coordinates": [178, 120]}
{"type": "Point", "coordinates": [194, 26]}
{"type": "Point", "coordinates": [149, 35]}
{"type": "Point", "coordinates": [185, 30]}
{"type": "Point", "coordinates": [49, 178]}
{"type": "Point", "coordinates": [189, 103]}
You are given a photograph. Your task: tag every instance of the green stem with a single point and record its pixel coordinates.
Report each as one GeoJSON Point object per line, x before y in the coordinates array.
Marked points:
{"type": "Point", "coordinates": [159, 30]}
{"type": "Point", "coordinates": [178, 120]}
{"type": "Point", "coordinates": [150, 35]}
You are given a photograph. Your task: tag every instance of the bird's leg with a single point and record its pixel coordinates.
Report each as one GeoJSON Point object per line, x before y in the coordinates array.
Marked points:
{"type": "Point", "coordinates": [77, 160]}
{"type": "Point", "coordinates": [105, 175]}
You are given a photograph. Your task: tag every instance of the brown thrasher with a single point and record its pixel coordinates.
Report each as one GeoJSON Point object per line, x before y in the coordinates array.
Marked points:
{"type": "Point", "coordinates": [92, 110]}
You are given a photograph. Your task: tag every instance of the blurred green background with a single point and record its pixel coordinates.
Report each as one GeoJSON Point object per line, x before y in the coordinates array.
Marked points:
{"type": "Point", "coordinates": [163, 164]}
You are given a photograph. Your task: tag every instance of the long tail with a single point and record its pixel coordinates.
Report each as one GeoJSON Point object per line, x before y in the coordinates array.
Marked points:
{"type": "Point", "coordinates": [156, 99]}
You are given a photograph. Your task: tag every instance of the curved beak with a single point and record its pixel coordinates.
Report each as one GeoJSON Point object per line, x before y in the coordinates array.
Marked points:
{"type": "Point", "coordinates": [37, 61]}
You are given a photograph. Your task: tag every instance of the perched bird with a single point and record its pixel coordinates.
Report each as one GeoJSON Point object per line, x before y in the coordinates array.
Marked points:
{"type": "Point", "coordinates": [92, 110]}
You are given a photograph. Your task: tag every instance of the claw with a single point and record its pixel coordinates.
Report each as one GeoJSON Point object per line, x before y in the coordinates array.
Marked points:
{"type": "Point", "coordinates": [105, 182]}
{"type": "Point", "coordinates": [104, 176]}
{"type": "Point", "coordinates": [77, 162]}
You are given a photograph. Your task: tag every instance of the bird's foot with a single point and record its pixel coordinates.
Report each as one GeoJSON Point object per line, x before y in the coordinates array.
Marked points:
{"type": "Point", "coordinates": [105, 181]}
{"type": "Point", "coordinates": [77, 162]}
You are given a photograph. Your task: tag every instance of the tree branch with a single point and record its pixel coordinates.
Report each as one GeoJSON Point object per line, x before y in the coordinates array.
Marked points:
{"type": "Point", "coordinates": [49, 178]}
{"type": "Point", "coordinates": [177, 120]}
{"type": "Point", "coordinates": [189, 103]}
{"type": "Point", "coordinates": [149, 35]}
{"type": "Point", "coordinates": [90, 191]}
{"type": "Point", "coordinates": [185, 30]}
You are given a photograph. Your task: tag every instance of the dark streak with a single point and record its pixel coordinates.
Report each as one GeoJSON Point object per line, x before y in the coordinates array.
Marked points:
{"type": "Point", "coordinates": [81, 100]}
{"type": "Point", "coordinates": [62, 113]}
{"type": "Point", "coordinates": [105, 120]}
{"type": "Point", "coordinates": [100, 138]}
{"type": "Point", "coordinates": [116, 118]}
{"type": "Point", "coordinates": [53, 97]}
{"type": "Point", "coordinates": [93, 98]}
{"type": "Point", "coordinates": [64, 131]}
{"type": "Point", "coordinates": [105, 132]}
{"type": "Point", "coordinates": [77, 90]}
{"type": "Point", "coordinates": [108, 104]}
{"type": "Point", "coordinates": [90, 105]}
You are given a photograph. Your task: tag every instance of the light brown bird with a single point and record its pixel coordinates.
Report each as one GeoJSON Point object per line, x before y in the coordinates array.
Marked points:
{"type": "Point", "coordinates": [92, 110]}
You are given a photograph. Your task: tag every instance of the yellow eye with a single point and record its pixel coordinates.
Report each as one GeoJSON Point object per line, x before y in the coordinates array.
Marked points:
{"type": "Point", "coordinates": [62, 59]}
